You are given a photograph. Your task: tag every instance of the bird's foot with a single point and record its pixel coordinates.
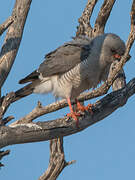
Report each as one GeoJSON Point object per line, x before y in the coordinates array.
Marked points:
{"type": "Point", "coordinates": [75, 116]}
{"type": "Point", "coordinates": [84, 108]}
{"type": "Point", "coordinates": [80, 107]}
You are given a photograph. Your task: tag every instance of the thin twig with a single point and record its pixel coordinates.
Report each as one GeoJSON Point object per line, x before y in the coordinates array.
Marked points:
{"type": "Point", "coordinates": [6, 24]}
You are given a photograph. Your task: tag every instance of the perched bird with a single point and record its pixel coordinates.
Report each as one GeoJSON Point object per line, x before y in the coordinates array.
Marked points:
{"type": "Point", "coordinates": [74, 67]}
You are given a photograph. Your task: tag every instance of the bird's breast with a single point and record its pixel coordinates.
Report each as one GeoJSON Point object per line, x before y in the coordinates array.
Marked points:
{"type": "Point", "coordinates": [74, 82]}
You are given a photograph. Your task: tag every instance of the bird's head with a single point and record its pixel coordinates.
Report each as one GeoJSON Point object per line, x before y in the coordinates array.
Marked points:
{"type": "Point", "coordinates": [112, 48]}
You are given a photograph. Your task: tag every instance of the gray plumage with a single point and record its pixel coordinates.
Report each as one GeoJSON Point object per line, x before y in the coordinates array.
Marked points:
{"type": "Point", "coordinates": [74, 67]}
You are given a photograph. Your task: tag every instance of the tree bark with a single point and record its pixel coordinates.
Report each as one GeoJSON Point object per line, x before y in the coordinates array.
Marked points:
{"type": "Point", "coordinates": [13, 38]}
{"type": "Point", "coordinates": [57, 160]}
{"type": "Point", "coordinates": [43, 131]}
{"type": "Point", "coordinates": [6, 24]}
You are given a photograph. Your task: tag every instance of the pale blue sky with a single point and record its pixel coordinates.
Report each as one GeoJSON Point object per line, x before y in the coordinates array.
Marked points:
{"type": "Point", "coordinates": [103, 151]}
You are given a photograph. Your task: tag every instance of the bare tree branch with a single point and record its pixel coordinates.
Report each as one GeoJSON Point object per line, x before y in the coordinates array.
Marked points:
{"type": "Point", "coordinates": [102, 18]}
{"type": "Point", "coordinates": [13, 38]}
{"type": "Point", "coordinates": [120, 81]}
{"type": "Point", "coordinates": [84, 27]}
{"type": "Point", "coordinates": [43, 131]}
{"type": "Point", "coordinates": [132, 14]}
{"type": "Point", "coordinates": [57, 160]}
{"type": "Point", "coordinates": [6, 24]}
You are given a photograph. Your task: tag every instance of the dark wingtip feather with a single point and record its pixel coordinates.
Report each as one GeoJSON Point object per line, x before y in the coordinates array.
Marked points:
{"type": "Point", "coordinates": [22, 81]}
{"type": "Point", "coordinates": [31, 77]}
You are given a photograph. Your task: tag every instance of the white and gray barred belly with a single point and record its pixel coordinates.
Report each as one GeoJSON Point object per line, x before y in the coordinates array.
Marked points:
{"type": "Point", "coordinates": [74, 82]}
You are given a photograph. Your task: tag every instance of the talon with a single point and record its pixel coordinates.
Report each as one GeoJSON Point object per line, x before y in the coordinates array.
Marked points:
{"type": "Point", "coordinates": [73, 114]}
{"type": "Point", "coordinates": [89, 108]}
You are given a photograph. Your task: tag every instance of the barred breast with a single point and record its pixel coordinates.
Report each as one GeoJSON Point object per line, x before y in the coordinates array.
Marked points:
{"type": "Point", "coordinates": [74, 82]}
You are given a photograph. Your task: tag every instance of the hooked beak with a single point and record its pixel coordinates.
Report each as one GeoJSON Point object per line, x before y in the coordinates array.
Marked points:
{"type": "Point", "coordinates": [117, 56]}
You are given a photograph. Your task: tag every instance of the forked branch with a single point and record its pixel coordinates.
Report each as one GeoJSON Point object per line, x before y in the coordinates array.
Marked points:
{"type": "Point", "coordinates": [57, 160]}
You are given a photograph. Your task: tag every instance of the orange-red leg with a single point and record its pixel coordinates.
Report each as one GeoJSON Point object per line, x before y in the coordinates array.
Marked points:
{"type": "Point", "coordinates": [80, 106]}
{"type": "Point", "coordinates": [72, 113]}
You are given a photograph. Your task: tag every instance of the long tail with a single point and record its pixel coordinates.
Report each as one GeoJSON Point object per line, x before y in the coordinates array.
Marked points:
{"type": "Point", "coordinates": [25, 91]}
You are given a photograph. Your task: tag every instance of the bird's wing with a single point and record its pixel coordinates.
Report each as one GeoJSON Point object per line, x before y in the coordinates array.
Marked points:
{"type": "Point", "coordinates": [62, 59]}
{"type": "Point", "coordinates": [31, 77]}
